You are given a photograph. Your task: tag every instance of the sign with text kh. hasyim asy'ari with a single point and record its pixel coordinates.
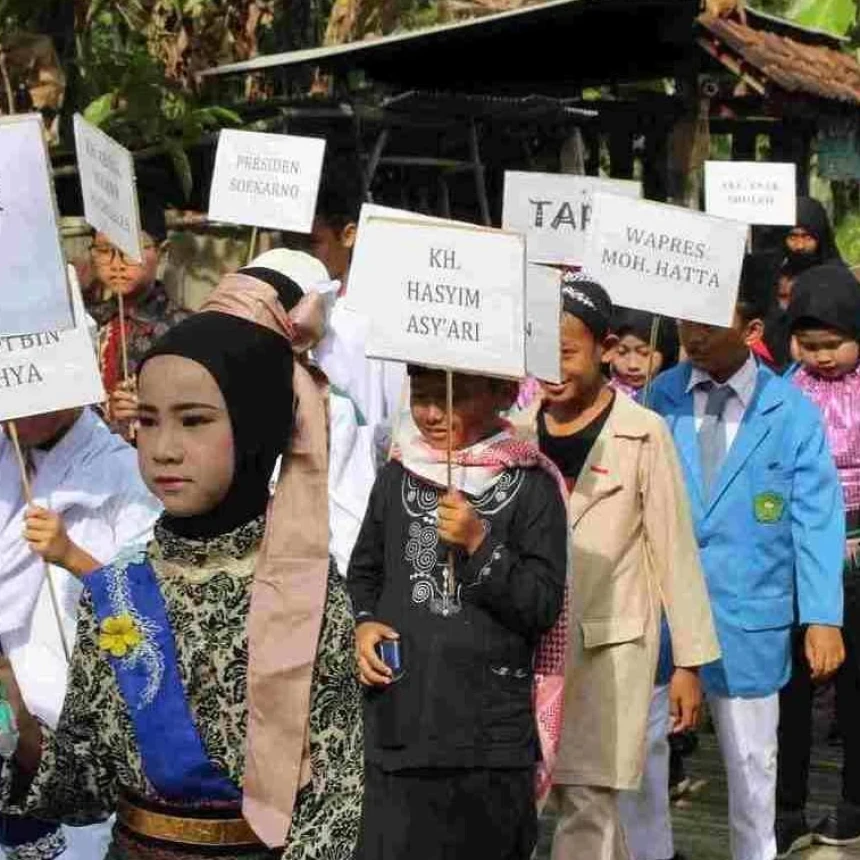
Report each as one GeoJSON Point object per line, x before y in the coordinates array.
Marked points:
{"type": "Point", "coordinates": [665, 259]}
{"type": "Point", "coordinates": [34, 290]}
{"type": "Point", "coordinates": [554, 211]}
{"type": "Point", "coordinates": [266, 180]}
{"type": "Point", "coordinates": [51, 370]}
{"type": "Point", "coordinates": [108, 188]}
{"type": "Point", "coordinates": [755, 192]}
{"type": "Point", "coordinates": [447, 296]}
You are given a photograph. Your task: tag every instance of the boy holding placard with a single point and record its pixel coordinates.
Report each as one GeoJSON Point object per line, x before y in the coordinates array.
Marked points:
{"type": "Point", "coordinates": [148, 310]}
{"type": "Point", "coordinates": [89, 499]}
{"type": "Point", "coordinates": [769, 518]}
{"type": "Point", "coordinates": [453, 594]}
{"type": "Point", "coordinates": [633, 556]}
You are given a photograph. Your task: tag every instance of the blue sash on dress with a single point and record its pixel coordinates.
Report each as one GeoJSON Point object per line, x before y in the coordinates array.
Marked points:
{"type": "Point", "coordinates": [173, 756]}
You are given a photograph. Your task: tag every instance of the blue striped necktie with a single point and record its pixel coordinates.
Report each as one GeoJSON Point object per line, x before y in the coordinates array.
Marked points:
{"type": "Point", "coordinates": [713, 440]}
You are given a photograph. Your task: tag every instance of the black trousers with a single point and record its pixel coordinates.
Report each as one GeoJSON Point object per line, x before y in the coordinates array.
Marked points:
{"type": "Point", "coordinates": [450, 814]}
{"type": "Point", "coordinates": [795, 717]}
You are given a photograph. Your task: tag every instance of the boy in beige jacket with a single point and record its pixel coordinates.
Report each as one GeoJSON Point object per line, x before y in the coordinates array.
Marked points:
{"type": "Point", "coordinates": [633, 555]}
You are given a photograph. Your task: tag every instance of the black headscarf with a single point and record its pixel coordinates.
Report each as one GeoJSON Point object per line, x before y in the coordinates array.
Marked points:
{"type": "Point", "coordinates": [828, 296]}
{"type": "Point", "coordinates": [812, 217]}
{"type": "Point", "coordinates": [253, 367]}
{"type": "Point", "coordinates": [638, 323]}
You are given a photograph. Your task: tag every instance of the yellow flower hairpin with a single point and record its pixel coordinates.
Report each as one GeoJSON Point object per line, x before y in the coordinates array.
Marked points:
{"type": "Point", "coordinates": [119, 635]}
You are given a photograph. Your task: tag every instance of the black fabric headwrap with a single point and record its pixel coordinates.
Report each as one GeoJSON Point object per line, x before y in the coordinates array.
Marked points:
{"type": "Point", "coordinates": [253, 367]}
{"type": "Point", "coordinates": [812, 217]}
{"type": "Point", "coordinates": [827, 295]}
{"type": "Point", "coordinates": [585, 299]}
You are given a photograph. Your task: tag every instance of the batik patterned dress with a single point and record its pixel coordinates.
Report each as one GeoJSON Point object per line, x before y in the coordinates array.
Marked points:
{"type": "Point", "coordinates": [94, 757]}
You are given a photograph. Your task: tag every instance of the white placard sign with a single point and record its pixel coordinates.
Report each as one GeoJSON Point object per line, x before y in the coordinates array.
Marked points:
{"type": "Point", "coordinates": [446, 295]}
{"type": "Point", "coordinates": [543, 317]}
{"type": "Point", "coordinates": [554, 211]}
{"type": "Point", "coordinates": [51, 370]}
{"type": "Point", "coordinates": [754, 192]}
{"type": "Point", "coordinates": [360, 293]}
{"type": "Point", "coordinates": [34, 292]}
{"type": "Point", "coordinates": [665, 259]}
{"type": "Point", "coordinates": [108, 187]}
{"type": "Point", "coordinates": [266, 180]}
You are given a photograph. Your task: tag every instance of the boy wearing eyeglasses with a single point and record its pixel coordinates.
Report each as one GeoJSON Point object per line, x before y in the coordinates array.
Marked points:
{"type": "Point", "coordinates": [148, 310]}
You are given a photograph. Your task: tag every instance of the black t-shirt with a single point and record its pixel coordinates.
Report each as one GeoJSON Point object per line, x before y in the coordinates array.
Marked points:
{"type": "Point", "coordinates": [569, 453]}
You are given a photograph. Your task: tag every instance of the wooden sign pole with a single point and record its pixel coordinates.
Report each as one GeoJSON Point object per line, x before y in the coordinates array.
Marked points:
{"type": "Point", "coordinates": [28, 495]}
{"type": "Point", "coordinates": [652, 344]}
{"type": "Point", "coordinates": [252, 246]}
{"type": "Point", "coordinates": [449, 417]}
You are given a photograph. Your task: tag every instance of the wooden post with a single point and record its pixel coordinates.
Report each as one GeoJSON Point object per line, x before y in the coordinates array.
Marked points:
{"type": "Point", "coordinates": [252, 245]}
{"type": "Point", "coordinates": [449, 418]}
{"type": "Point", "coordinates": [28, 496]}
{"type": "Point", "coordinates": [652, 343]}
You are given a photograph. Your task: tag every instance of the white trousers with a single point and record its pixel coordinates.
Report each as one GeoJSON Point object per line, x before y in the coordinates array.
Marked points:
{"type": "Point", "coordinates": [645, 814]}
{"type": "Point", "coordinates": [746, 731]}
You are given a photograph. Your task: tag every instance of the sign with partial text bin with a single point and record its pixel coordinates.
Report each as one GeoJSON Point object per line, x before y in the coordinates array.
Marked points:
{"type": "Point", "coordinates": [49, 371]}
{"type": "Point", "coordinates": [666, 259]}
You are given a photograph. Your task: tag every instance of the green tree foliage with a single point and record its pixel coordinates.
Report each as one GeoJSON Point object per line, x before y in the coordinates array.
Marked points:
{"type": "Point", "coordinates": [835, 16]}
{"type": "Point", "coordinates": [128, 64]}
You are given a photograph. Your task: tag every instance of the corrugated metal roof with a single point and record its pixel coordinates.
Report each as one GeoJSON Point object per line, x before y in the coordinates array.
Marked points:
{"type": "Point", "coordinates": [550, 48]}
{"type": "Point", "coordinates": [322, 56]}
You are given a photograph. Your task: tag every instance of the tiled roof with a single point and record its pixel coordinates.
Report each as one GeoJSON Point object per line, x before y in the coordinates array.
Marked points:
{"type": "Point", "coordinates": [793, 66]}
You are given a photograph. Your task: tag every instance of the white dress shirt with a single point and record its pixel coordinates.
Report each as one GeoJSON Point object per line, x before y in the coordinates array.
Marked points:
{"type": "Point", "coordinates": [743, 385]}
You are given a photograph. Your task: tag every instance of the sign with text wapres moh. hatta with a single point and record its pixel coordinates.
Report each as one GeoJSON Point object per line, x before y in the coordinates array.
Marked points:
{"type": "Point", "coordinates": [51, 370]}
{"type": "Point", "coordinates": [754, 192]}
{"type": "Point", "coordinates": [665, 259]}
{"type": "Point", "coordinates": [554, 211]}
{"type": "Point", "coordinates": [34, 290]}
{"type": "Point", "coordinates": [447, 295]}
{"type": "Point", "coordinates": [266, 180]}
{"type": "Point", "coordinates": [108, 187]}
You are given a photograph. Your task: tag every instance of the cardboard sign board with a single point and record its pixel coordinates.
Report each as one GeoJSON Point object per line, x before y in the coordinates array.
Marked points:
{"type": "Point", "coordinates": [34, 292]}
{"type": "Point", "coordinates": [554, 210]}
{"type": "Point", "coordinates": [753, 192]}
{"type": "Point", "coordinates": [49, 371]}
{"type": "Point", "coordinates": [543, 316]}
{"type": "Point", "coordinates": [108, 187]}
{"type": "Point", "coordinates": [665, 259]}
{"type": "Point", "coordinates": [360, 295]}
{"type": "Point", "coordinates": [446, 295]}
{"type": "Point", "coordinates": [266, 180]}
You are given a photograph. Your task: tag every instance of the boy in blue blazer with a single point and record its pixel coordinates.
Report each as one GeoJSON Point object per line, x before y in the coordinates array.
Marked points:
{"type": "Point", "coordinates": [768, 512]}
